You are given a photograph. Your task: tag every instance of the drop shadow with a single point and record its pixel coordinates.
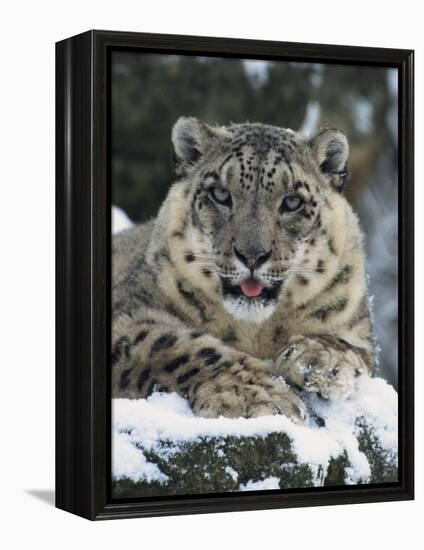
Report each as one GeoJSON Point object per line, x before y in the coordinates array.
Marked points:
{"type": "Point", "coordinates": [45, 495]}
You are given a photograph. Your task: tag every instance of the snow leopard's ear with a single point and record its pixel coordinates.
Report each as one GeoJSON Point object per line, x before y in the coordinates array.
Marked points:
{"type": "Point", "coordinates": [330, 149]}
{"type": "Point", "coordinates": [191, 138]}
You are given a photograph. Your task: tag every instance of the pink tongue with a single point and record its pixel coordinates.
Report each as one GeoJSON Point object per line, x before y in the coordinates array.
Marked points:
{"type": "Point", "coordinates": [251, 288]}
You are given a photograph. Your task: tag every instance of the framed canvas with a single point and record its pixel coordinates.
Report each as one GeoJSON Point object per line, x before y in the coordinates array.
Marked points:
{"type": "Point", "coordinates": [234, 274]}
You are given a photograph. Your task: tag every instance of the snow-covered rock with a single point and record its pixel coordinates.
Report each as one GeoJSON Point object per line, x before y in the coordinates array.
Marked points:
{"type": "Point", "coordinates": [160, 447]}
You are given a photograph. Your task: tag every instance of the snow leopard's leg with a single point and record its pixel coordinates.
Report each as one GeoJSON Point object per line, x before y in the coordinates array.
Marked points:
{"type": "Point", "coordinates": [216, 379]}
{"type": "Point", "coordinates": [324, 364]}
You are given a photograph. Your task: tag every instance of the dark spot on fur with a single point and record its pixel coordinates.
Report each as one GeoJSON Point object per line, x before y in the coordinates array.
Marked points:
{"type": "Point", "coordinates": [122, 347]}
{"type": "Point", "coordinates": [163, 342]}
{"type": "Point", "coordinates": [209, 355]}
{"type": "Point", "coordinates": [187, 375]}
{"type": "Point", "coordinates": [193, 301]}
{"type": "Point", "coordinates": [230, 336]}
{"type": "Point", "coordinates": [176, 363]}
{"type": "Point", "coordinates": [142, 379]}
{"type": "Point", "coordinates": [149, 322]}
{"type": "Point", "coordinates": [361, 314]}
{"type": "Point", "coordinates": [172, 310]}
{"type": "Point", "coordinates": [331, 247]}
{"type": "Point", "coordinates": [324, 312]}
{"type": "Point", "coordinates": [125, 378]}
{"type": "Point", "coordinates": [342, 277]}
{"type": "Point", "coordinates": [189, 257]}
{"type": "Point", "coordinates": [302, 280]}
{"type": "Point", "coordinates": [140, 337]}
{"type": "Point", "coordinates": [216, 374]}
{"type": "Point", "coordinates": [320, 267]}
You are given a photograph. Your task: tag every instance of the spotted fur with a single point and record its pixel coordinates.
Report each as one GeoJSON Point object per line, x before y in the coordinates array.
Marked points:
{"type": "Point", "coordinates": [180, 320]}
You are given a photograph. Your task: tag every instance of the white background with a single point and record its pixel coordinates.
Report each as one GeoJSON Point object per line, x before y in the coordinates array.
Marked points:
{"type": "Point", "coordinates": [28, 33]}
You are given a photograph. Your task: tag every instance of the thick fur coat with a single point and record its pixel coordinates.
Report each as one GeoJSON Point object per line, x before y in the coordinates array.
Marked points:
{"type": "Point", "coordinates": [249, 286]}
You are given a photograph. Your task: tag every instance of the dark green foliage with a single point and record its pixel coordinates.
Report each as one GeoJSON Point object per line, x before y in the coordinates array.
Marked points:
{"type": "Point", "coordinates": [336, 470]}
{"type": "Point", "coordinates": [383, 466]}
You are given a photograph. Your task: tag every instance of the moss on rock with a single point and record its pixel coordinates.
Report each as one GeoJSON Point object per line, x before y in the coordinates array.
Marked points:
{"type": "Point", "coordinates": [224, 464]}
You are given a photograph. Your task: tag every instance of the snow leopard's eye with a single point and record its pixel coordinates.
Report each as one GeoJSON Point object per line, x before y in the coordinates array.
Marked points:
{"type": "Point", "coordinates": [292, 203]}
{"type": "Point", "coordinates": [221, 196]}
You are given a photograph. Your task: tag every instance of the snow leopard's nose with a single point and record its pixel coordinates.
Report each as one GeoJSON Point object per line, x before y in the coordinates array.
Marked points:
{"type": "Point", "coordinates": [252, 257]}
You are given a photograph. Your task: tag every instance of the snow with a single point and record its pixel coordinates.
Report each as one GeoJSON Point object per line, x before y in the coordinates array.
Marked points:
{"type": "Point", "coordinates": [140, 425]}
{"type": "Point", "coordinates": [129, 462]}
{"type": "Point", "coordinates": [120, 220]}
{"type": "Point", "coordinates": [231, 472]}
{"type": "Point", "coordinates": [376, 401]}
{"type": "Point", "coordinates": [268, 483]}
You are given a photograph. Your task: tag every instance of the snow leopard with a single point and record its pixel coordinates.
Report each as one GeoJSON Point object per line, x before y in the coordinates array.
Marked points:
{"type": "Point", "coordinates": [248, 290]}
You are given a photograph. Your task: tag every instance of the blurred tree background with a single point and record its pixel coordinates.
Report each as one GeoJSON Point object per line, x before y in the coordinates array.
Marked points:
{"type": "Point", "coordinates": [150, 92]}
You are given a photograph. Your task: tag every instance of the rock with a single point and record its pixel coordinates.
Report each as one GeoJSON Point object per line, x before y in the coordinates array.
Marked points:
{"type": "Point", "coordinates": [160, 448]}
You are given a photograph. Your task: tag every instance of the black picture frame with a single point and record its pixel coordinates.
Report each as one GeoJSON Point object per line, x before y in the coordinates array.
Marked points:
{"type": "Point", "coordinates": [83, 274]}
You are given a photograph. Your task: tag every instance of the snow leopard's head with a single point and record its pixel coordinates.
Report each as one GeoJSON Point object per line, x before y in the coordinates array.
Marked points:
{"type": "Point", "coordinates": [255, 198]}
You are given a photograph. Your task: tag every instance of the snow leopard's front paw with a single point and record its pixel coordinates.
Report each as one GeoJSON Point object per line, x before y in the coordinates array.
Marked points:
{"type": "Point", "coordinates": [315, 365]}
{"type": "Point", "coordinates": [244, 390]}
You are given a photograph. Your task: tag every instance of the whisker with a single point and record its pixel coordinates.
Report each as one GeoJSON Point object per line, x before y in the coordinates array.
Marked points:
{"type": "Point", "coordinates": [203, 255]}
{"type": "Point", "coordinates": [293, 271]}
